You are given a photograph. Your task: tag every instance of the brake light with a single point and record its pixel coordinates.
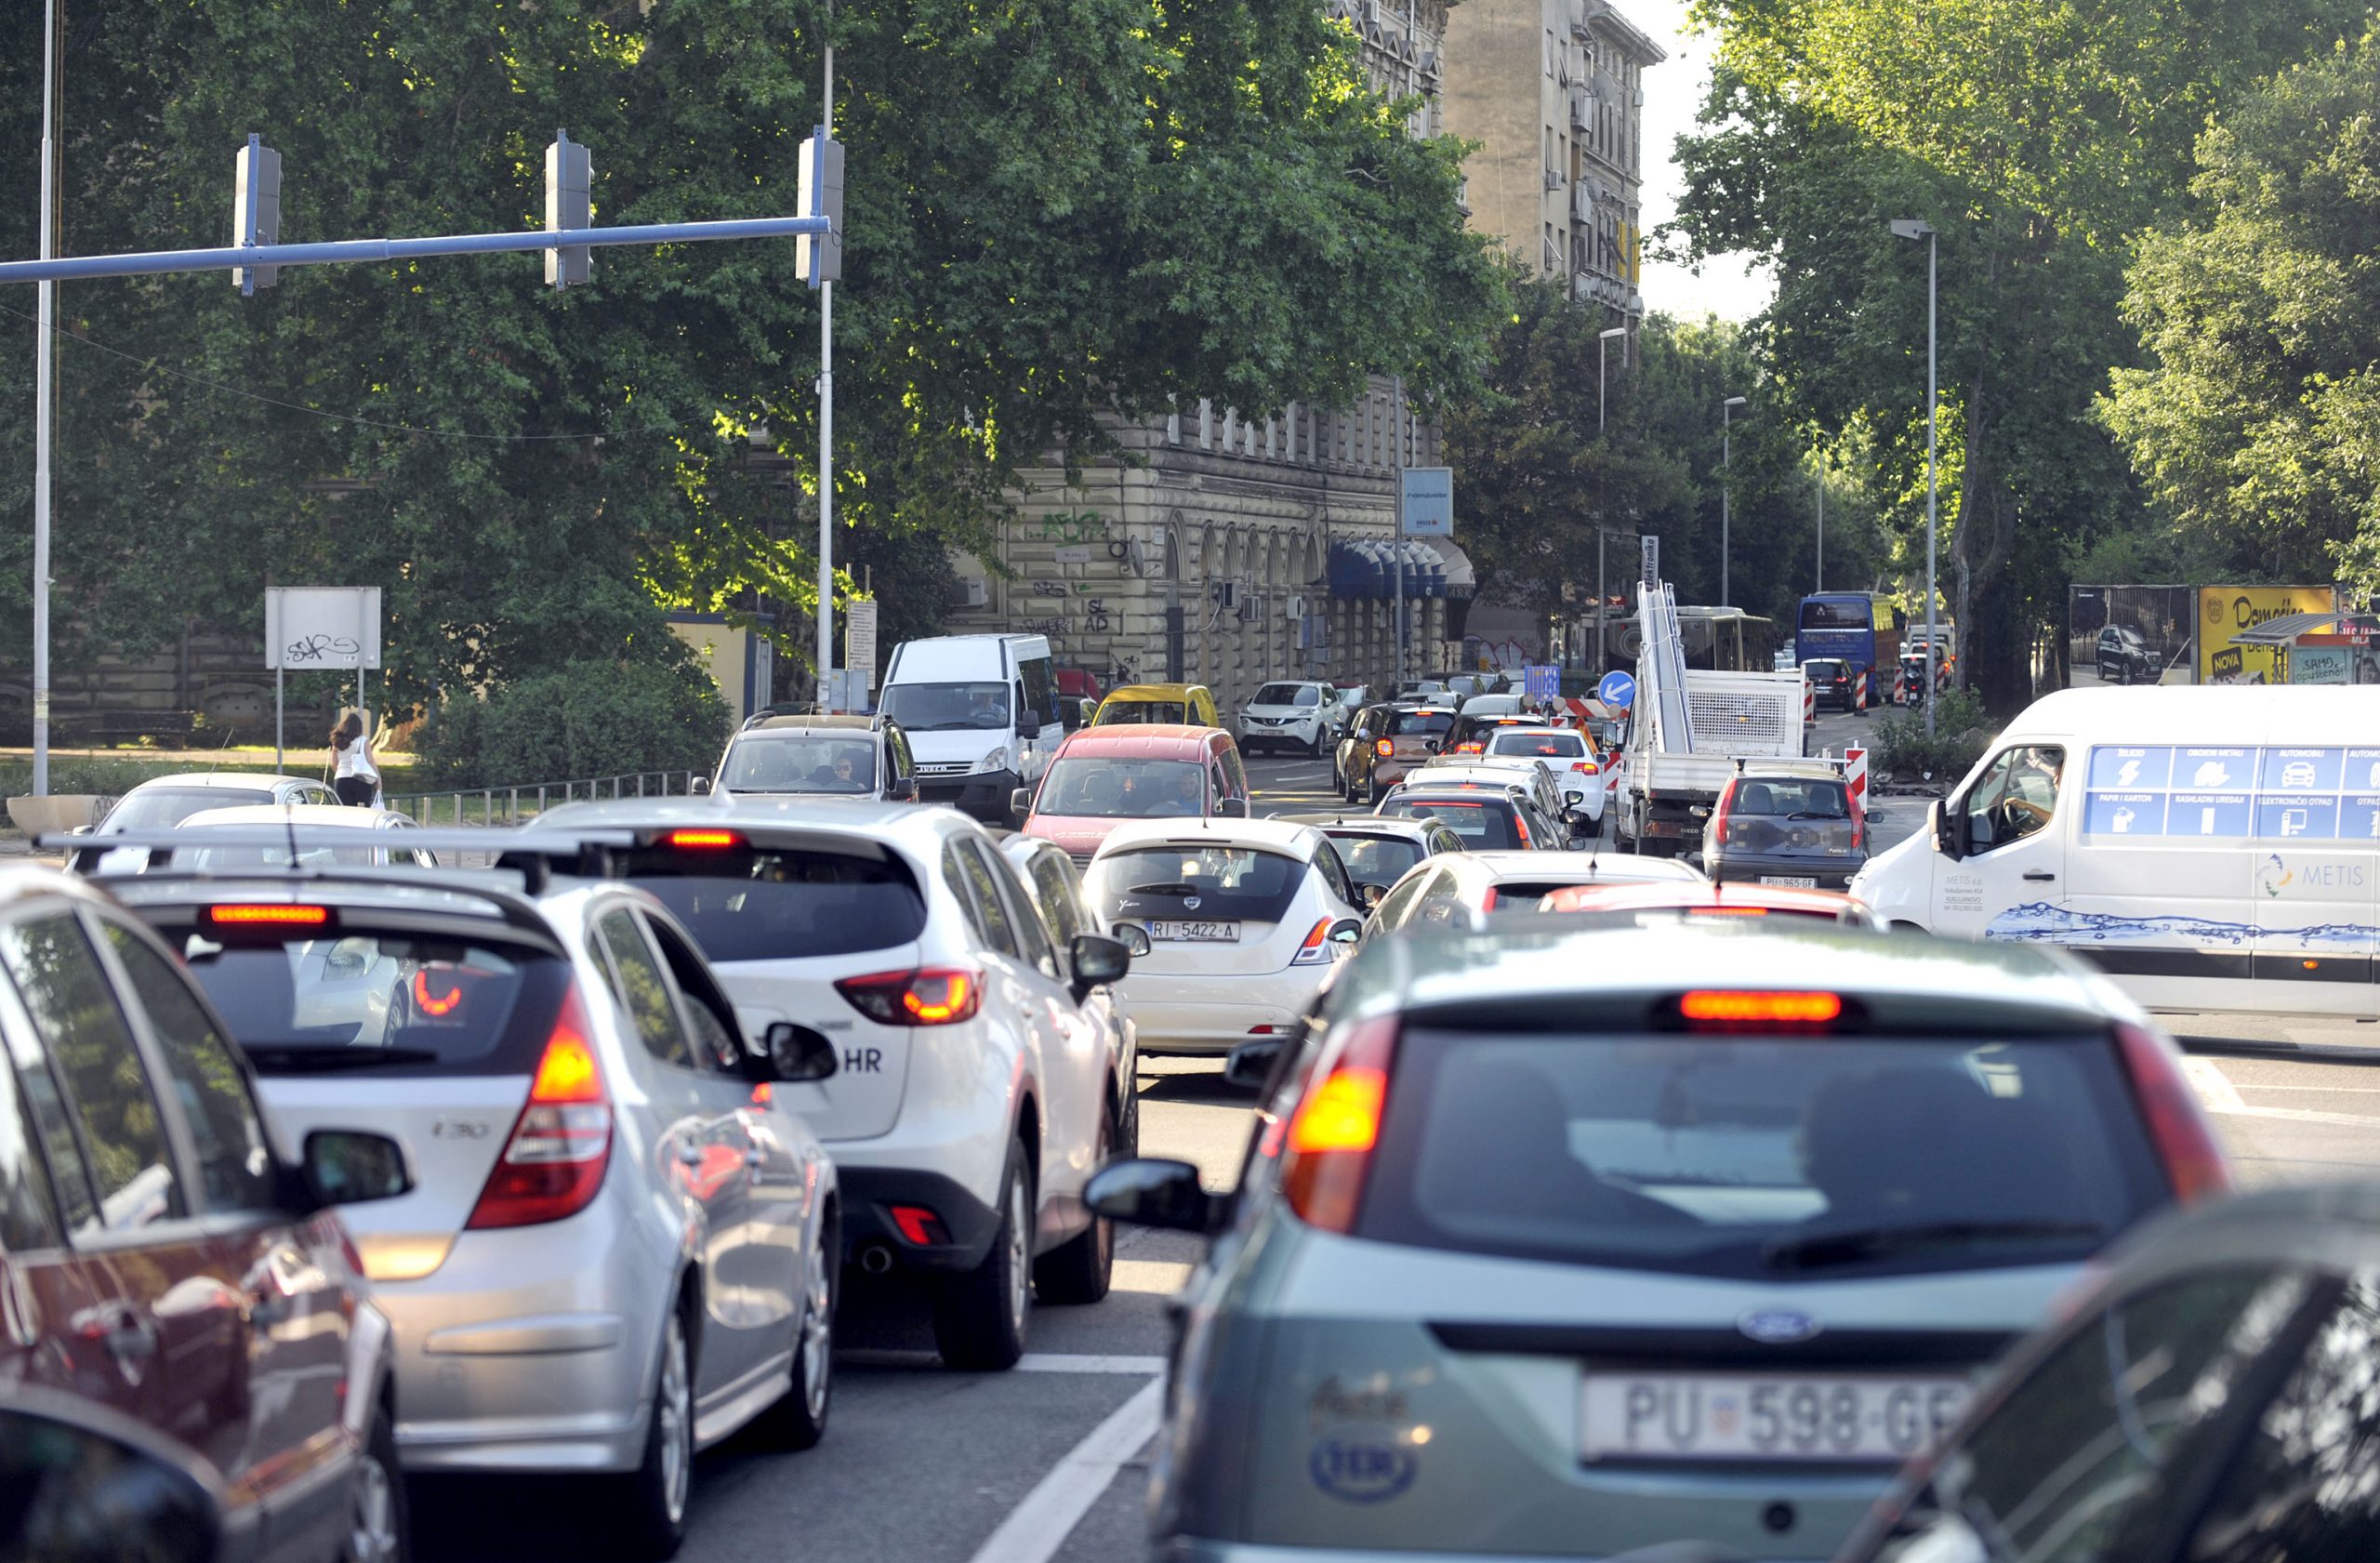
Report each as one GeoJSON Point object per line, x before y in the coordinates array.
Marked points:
{"type": "Point", "coordinates": [435, 1004]}
{"type": "Point", "coordinates": [929, 996]}
{"type": "Point", "coordinates": [554, 1165]}
{"type": "Point", "coordinates": [921, 1226]}
{"type": "Point", "coordinates": [1859, 826]}
{"type": "Point", "coordinates": [1719, 819]}
{"type": "Point", "coordinates": [2177, 1125]}
{"type": "Point", "coordinates": [1316, 948]}
{"type": "Point", "coordinates": [268, 917]}
{"type": "Point", "coordinates": [1385, 748]}
{"type": "Point", "coordinates": [1586, 767]}
{"type": "Point", "coordinates": [1734, 1008]}
{"type": "Point", "coordinates": [711, 840]}
{"type": "Point", "coordinates": [1520, 827]}
{"type": "Point", "coordinates": [1335, 1128]}
{"type": "Point", "coordinates": [1488, 900]}
{"type": "Point", "coordinates": [1470, 749]}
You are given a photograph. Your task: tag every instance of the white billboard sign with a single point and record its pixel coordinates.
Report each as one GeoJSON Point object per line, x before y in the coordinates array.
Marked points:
{"type": "Point", "coordinates": [312, 629]}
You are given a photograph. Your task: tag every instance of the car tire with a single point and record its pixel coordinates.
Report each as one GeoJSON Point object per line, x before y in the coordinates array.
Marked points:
{"type": "Point", "coordinates": [799, 1419]}
{"type": "Point", "coordinates": [1374, 793]}
{"type": "Point", "coordinates": [380, 1525]}
{"type": "Point", "coordinates": [655, 1500]}
{"type": "Point", "coordinates": [1079, 1270]}
{"type": "Point", "coordinates": [979, 1318]}
{"type": "Point", "coordinates": [1313, 746]}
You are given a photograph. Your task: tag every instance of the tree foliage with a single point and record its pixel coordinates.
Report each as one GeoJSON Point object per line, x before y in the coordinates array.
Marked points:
{"type": "Point", "coordinates": [2256, 422]}
{"type": "Point", "coordinates": [1061, 212]}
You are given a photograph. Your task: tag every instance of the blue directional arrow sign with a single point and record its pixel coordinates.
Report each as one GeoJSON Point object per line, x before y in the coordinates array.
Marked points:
{"type": "Point", "coordinates": [1617, 689]}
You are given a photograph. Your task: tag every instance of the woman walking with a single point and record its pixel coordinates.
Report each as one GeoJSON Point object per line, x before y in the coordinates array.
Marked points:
{"type": "Point", "coordinates": [358, 774]}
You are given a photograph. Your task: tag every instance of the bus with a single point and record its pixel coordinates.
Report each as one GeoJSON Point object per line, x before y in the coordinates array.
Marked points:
{"type": "Point", "coordinates": [1863, 628]}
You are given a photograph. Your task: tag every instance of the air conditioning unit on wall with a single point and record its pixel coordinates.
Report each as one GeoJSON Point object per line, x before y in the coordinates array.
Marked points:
{"type": "Point", "coordinates": [1295, 607]}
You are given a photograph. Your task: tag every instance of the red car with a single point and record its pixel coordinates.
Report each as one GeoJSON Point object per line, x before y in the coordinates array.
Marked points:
{"type": "Point", "coordinates": [1715, 900]}
{"type": "Point", "coordinates": [159, 1259]}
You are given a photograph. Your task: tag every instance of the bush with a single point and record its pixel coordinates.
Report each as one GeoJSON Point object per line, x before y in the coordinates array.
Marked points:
{"type": "Point", "coordinates": [585, 718]}
{"type": "Point", "coordinates": [1961, 730]}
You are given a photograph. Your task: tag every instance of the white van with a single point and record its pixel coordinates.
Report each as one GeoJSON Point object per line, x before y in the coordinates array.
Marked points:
{"type": "Point", "coordinates": [981, 716]}
{"type": "Point", "coordinates": [2213, 847]}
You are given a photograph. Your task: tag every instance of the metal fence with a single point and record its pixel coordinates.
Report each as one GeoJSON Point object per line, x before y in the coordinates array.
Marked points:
{"type": "Point", "coordinates": [510, 805]}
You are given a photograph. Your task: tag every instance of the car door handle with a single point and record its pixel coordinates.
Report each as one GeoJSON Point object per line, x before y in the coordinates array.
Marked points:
{"type": "Point", "coordinates": [2038, 874]}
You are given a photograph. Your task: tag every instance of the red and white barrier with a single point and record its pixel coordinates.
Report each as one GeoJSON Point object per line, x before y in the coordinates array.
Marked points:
{"type": "Point", "coordinates": [1810, 703]}
{"type": "Point", "coordinates": [1854, 775]}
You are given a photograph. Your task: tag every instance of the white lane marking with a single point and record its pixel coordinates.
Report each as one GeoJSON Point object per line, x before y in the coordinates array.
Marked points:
{"type": "Point", "coordinates": [1055, 1362]}
{"type": "Point", "coordinates": [1035, 1528]}
{"type": "Point", "coordinates": [2216, 1090]}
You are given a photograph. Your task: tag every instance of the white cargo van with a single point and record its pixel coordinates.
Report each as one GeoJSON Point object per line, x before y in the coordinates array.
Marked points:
{"type": "Point", "coordinates": [981, 716]}
{"type": "Point", "coordinates": [2213, 848]}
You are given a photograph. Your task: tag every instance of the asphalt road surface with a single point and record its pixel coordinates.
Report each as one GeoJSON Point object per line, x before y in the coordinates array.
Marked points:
{"type": "Point", "coordinates": [1050, 1461]}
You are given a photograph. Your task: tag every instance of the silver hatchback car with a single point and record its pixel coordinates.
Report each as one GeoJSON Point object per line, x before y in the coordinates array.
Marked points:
{"type": "Point", "coordinates": [1574, 1244]}
{"type": "Point", "coordinates": [620, 1248]}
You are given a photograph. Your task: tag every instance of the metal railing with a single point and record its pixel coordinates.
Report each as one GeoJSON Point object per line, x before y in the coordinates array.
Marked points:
{"type": "Point", "coordinates": [510, 805]}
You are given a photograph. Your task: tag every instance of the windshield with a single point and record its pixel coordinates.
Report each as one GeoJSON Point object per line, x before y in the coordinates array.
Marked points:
{"type": "Point", "coordinates": [782, 905]}
{"type": "Point", "coordinates": [806, 762]}
{"type": "Point", "coordinates": [1419, 725]}
{"type": "Point", "coordinates": [1287, 694]}
{"type": "Point", "coordinates": [157, 808]}
{"type": "Point", "coordinates": [1760, 1158]}
{"type": "Point", "coordinates": [1145, 712]}
{"type": "Point", "coordinates": [1484, 824]}
{"type": "Point", "coordinates": [379, 1001]}
{"type": "Point", "coordinates": [1542, 745]}
{"type": "Point", "coordinates": [947, 708]}
{"type": "Point", "coordinates": [1226, 883]}
{"type": "Point", "coordinates": [1376, 859]}
{"type": "Point", "coordinates": [1103, 787]}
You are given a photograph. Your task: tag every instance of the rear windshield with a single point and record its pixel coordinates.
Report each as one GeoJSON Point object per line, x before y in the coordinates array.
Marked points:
{"type": "Point", "coordinates": [1118, 712]}
{"type": "Point", "coordinates": [153, 809]}
{"type": "Point", "coordinates": [1792, 799]}
{"type": "Point", "coordinates": [1376, 859]}
{"type": "Point", "coordinates": [1756, 1156]}
{"type": "Point", "coordinates": [1203, 882]}
{"type": "Point", "coordinates": [1546, 745]}
{"type": "Point", "coordinates": [807, 762]}
{"type": "Point", "coordinates": [384, 1002]}
{"type": "Point", "coordinates": [1108, 787]}
{"type": "Point", "coordinates": [783, 905]}
{"type": "Point", "coordinates": [1287, 694]}
{"type": "Point", "coordinates": [1427, 725]}
{"type": "Point", "coordinates": [1484, 824]}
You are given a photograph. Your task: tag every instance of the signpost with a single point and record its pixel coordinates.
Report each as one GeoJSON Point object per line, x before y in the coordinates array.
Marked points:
{"type": "Point", "coordinates": [315, 629]}
{"type": "Point", "coordinates": [1541, 682]}
{"type": "Point", "coordinates": [859, 642]}
{"type": "Point", "coordinates": [1617, 691]}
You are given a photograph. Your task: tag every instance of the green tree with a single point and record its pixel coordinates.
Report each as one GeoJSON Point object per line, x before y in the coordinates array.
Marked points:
{"type": "Point", "coordinates": [2257, 423]}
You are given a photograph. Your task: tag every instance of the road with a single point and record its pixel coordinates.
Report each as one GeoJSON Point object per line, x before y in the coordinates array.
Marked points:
{"type": "Point", "coordinates": [1048, 1463]}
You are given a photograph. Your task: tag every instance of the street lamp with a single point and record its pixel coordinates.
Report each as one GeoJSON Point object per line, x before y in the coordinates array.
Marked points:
{"type": "Point", "coordinates": [1912, 228]}
{"type": "Point", "coordinates": [1727, 411]}
{"type": "Point", "coordinates": [1602, 340]}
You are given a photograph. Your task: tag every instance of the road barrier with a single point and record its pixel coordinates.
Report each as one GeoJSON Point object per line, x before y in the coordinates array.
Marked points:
{"type": "Point", "coordinates": [1854, 775]}
{"type": "Point", "coordinates": [510, 805]}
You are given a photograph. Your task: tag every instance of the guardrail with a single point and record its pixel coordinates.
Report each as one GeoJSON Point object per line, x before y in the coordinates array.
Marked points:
{"type": "Point", "coordinates": [510, 805]}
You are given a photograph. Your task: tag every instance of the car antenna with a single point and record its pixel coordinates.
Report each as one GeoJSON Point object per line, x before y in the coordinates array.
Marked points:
{"type": "Point", "coordinates": [289, 823]}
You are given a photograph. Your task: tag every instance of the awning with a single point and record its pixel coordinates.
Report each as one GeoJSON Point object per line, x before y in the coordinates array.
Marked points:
{"type": "Point", "coordinates": [1368, 567]}
{"type": "Point", "coordinates": [1461, 580]}
{"type": "Point", "coordinates": [2284, 630]}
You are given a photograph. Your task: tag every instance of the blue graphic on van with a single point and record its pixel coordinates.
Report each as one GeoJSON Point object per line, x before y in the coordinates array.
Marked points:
{"type": "Point", "coordinates": [2039, 922]}
{"type": "Point", "coordinates": [1361, 1470]}
{"type": "Point", "coordinates": [2270, 794]}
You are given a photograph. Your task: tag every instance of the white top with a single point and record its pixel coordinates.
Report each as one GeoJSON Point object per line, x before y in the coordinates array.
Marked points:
{"type": "Point", "coordinates": [354, 762]}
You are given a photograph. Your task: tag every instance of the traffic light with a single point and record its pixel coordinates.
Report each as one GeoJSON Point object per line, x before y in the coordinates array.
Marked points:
{"type": "Point", "coordinates": [821, 260]}
{"type": "Point", "coordinates": [570, 177]}
{"type": "Point", "coordinates": [256, 210]}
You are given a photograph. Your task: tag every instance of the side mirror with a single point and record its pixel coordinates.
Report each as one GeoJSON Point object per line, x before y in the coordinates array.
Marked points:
{"type": "Point", "coordinates": [1133, 936]}
{"type": "Point", "coordinates": [1231, 808]}
{"type": "Point", "coordinates": [699, 786]}
{"type": "Point", "coordinates": [1147, 1192]}
{"type": "Point", "coordinates": [1938, 826]}
{"type": "Point", "coordinates": [1347, 934]}
{"type": "Point", "coordinates": [1097, 961]}
{"type": "Point", "coordinates": [353, 1167]}
{"type": "Point", "coordinates": [905, 791]}
{"type": "Point", "coordinates": [1030, 720]}
{"type": "Point", "coordinates": [797, 1055]}
{"type": "Point", "coordinates": [1251, 1064]}
{"type": "Point", "coordinates": [85, 1485]}
{"type": "Point", "coordinates": [1020, 802]}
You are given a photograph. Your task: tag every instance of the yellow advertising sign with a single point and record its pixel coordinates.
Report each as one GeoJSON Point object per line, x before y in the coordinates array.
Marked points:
{"type": "Point", "coordinates": [2224, 611]}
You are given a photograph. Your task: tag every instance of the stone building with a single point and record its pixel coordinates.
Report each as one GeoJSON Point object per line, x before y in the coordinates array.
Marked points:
{"type": "Point", "coordinates": [1231, 548]}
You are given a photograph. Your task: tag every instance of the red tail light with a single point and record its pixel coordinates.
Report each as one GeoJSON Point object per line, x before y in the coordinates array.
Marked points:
{"type": "Point", "coordinates": [554, 1165]}
{"type": "Point", "coordinates": [708, 841]}
{"type": "Point", "coordinates": [276, 916]}
{"type": "Point", "coordinates": [1859, 828]}
{"type": "Point", "coordinates": [2177, 1125]}
{"type": "Point", "coordinates": [1470, 749]}
{"type": "Point", "coordinates": [929, 996]}
{"type": "Point", "coordinates": [1385, 748]}
{"type": "Point", "coordinates": [1586, 767]}
{"type": "Point", "coordinates": [1520, 827]}
{"type": "Point", "coordinates": [1335, 1128]}
{"type": "Point", "coordinates": [1316, 948]}
{"type": "Point", "coordinates": [1725, 1009]}
{"type": "Point", "coordinates": [1487, 899]}
{"type": "Point", "coordinates": [1719, 818]}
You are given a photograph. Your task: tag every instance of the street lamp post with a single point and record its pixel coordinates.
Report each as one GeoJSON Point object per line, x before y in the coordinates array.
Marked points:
{"type": "Point", "coordinates": [1912, 228]}
{"type": "Point", "coordinates": [45, 330]}
{"type": "Point", "coordinates": [1727, 411]}
{"type": "Point", "coordinates": [1603, 340]}
{"type": "Point", "coordinates": [1817, 581]}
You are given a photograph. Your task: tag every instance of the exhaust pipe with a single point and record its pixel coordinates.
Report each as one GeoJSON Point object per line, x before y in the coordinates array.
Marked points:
{"type": "Point", "coordinates": [876, 1259]}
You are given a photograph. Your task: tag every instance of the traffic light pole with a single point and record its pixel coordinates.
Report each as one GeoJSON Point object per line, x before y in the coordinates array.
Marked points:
{"type": "Point", "coordinates": [45, 317]}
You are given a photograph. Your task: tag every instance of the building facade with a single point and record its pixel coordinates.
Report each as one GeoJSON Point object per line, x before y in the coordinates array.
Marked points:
{"type": "Point", "coordinates": [1553, 90]}
{"type": "Point", "coordinates": [1227, 548]}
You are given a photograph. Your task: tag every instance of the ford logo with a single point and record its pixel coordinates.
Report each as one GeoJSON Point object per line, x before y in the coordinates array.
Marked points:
{"type": "Point", "coordinates": [1778, 1327]}
{"type": "Point", "coordinates": [1361, 1470]}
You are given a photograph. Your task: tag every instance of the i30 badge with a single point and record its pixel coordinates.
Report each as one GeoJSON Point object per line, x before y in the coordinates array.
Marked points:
{"type": "Point", "coordinates": [1777, 1327]}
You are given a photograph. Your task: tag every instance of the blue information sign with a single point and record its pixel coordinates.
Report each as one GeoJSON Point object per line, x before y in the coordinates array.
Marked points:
{"type": "Point", "coordinates": [1542, 681]}
{"type": "Point", "coordinates": [1617, 689]}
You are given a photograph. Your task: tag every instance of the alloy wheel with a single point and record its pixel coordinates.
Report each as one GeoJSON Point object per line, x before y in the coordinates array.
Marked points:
{"type": "Point", "coordinates": [673, 1403]}
{"type": "Point", "coordinates": [1020, 1253]}
{"type": "Point", "coordinates": [818, 1333]}
{"type": "Point", "coordinates": [372, 1517]}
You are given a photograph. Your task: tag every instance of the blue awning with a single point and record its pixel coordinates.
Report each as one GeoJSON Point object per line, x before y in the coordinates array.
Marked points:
{"type": "Point", "coordinates": [1368, 567]}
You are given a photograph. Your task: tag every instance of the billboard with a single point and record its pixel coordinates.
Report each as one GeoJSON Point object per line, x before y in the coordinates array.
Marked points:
{"type": "Point", "coordinates": [2335, 659]}
{"type": "Point", "coordinates": [2129, 634]}
{"type": "Point", "coordinates": [2224, 611]}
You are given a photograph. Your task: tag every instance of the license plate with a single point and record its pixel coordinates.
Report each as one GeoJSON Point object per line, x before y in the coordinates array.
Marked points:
{"type": "Point", "coordinates": [1791, 882]}
{"type": "Point", "coordinates": [1763, 1416]}
{"type": "Point", "coordinates": [1212, 933]}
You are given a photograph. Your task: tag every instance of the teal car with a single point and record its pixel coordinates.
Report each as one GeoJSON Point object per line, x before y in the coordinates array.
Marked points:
{"type": "Point", "coordinates": [1564, 1244]}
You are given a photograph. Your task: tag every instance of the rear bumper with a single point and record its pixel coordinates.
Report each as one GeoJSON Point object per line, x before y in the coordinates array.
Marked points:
{"type": "Point", "coordinates": [1212, 1016]}
{"type": "Point", "coordinates": [870, 1193]}
{"type": "Point", "coordinates": [984, 795]}
{"type": "Point", "coordinates": [1740, 867]}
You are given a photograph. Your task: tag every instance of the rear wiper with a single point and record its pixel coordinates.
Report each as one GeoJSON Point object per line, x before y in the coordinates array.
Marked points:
{"type": "Point", "coordinates": [325, 1060]}
{"type": "Point", "coordinates": [1822, 1249]}
{"type": "Point", "coordinates": [1814, 815]}
{"type": "Point", "coordinates": [1175, 889]}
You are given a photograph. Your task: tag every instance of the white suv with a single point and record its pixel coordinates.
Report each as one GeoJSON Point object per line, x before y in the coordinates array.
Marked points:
{"type": "Point", "coordinates": [972, 1101]}
{"type": "Point", "coordinates": [1286, 714]}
